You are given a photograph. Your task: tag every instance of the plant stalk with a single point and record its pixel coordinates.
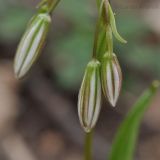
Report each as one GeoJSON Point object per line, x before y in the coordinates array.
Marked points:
{"type": "Point", "coordinates": [102, 17]}
{"type": "Point", "coordinates": [109, 38]}
{"type": "Point", "coordinates": [96, 37]}
{"type": "Point", "coordinates": [50, 4]}
{"type": "Point", "coordinates": [53, 5]}
{"type": "Point", "coordinates": [97, 31]}
{"type": "Point", "coordinates": [88, 146]}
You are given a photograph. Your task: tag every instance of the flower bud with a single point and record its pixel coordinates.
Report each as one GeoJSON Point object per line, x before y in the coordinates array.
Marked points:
{"type": "Point", "coordinates": [89, 99]}
{"type": "Point", "coordinates": [31, 44]}
{"type": "Point", "coordinates": [111, 78]}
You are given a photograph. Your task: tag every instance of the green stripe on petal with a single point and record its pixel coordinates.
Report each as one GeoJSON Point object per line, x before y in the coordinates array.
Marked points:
{"type": "Point", "coordinates": [89, 99]}
{"type": "Point", "coordinates": [111, 78]}
{"type": "Point", "coordinates": [31, 44]}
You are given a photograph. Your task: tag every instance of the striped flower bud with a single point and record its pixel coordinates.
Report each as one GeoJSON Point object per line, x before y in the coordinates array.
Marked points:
{"type": "Point", "coordinates": [31, 44]}
{"type": "Point", "coordinates": [111, 78]}
{"type": "Point", "coordinates": [89, 99]}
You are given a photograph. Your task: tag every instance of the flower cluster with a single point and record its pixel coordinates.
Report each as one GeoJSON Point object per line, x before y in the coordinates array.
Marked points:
{"type": "Point", "coordinates": [103, 72]}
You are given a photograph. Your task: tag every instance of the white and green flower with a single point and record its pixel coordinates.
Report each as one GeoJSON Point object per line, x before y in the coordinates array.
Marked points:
{"type": "Point", "coordinates": [89, 99]}
{"type": "Point", "coordinates": [31, 44]}
{"type": "Point", "coordinates": [111, 78]}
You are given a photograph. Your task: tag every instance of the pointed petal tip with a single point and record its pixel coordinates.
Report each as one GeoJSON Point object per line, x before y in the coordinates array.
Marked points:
{"type": "Point", "coordinates": [18, 75]}
{"type": "Point", "coordinates": [19, 72]}
{"type": "Point", "coordinates": [125, 41]}
{"type": "Point", "coordinates": [16, 70]}
{"type": "Point", "coordinates": [113, 102]}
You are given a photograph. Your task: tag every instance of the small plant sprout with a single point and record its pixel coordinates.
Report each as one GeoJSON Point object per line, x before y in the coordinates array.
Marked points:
{"type": "Point", "coordinates": [33, 39]}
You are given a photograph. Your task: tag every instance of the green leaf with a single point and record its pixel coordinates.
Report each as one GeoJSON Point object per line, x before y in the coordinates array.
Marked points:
{"type": "Point", "coordinates": [125, 140]}
{"type": "Point", "coordinates": [114, 27]}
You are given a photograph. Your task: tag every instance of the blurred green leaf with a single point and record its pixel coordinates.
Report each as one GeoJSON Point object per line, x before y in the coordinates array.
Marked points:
{"type": "Point", "coordinates": [73, 51]}
{"type": "Point", "coordinates": [144, 58]}
{"type": "Point", "coordinates": [78, 11]}
{"type": "Point", "coordinates": [14, 18]}
{"type": "Point", "coordinates": [130, 26]}
{"type": "Point", "coordinates": [71, 59]}
{"type": "Point", "coordinates": [125, 140]}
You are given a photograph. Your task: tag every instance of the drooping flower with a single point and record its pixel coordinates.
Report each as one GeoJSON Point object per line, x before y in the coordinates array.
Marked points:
{"type": "Point", "coordinates": [89, 99]}
{"type": "Point", "coordinates": [111, 78]}
{"type": "Point", "coordinates": [31, 44]}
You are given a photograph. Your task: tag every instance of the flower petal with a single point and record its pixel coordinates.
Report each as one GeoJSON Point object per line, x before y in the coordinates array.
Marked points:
{"type": "Point", "coordinates": [111, 77]}
{"type": "Point", "coordinates": [89, 99]}
{"type": "Point", "coordinates": [31, 44]}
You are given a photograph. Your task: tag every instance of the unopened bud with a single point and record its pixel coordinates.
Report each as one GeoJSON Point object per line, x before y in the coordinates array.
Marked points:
{"type": "Point", "coordinates": [31, 44]}
{"type": "Point", "coordinates": [89, 99]}
{"type": "Point", "coordinates": [111, 77]}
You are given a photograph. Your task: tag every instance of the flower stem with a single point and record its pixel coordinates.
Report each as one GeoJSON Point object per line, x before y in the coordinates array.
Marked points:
{"type": "Point", "coordinates": [88, 146]}
{"type": "Point", "coordinates": [97, 31]}
{"type": "Point", "coordinates": [109, 38]}
{"type": "Point", "coordinates": [53, 5]}
{"type": "Point", "coordinates": [49, 5]}
{"type": "Point", "coordinates": [103, 17]}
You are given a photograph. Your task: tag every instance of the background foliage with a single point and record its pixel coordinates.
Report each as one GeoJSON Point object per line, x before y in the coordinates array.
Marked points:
{"type": "Point", "coordinates": [45, 101]}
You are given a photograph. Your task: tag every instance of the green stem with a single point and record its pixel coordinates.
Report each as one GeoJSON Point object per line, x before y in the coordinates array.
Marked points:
{"type": "Point", "coordinates": [88, 146]}
{"type": "Point", "coordinates": [53, 5]}
{"type": "Point", "coordinates": [98, 3]}
{"type": "Point", "coordinates": [109, 39]}
{"type": "Point", "coordinates": [96, 37]}
{"type": "Point", "coordinates": [98, 25]}
{"type": "Point", "coordinates": [102, 47]}
{"type": "Point", "coordinates": [48, 5]}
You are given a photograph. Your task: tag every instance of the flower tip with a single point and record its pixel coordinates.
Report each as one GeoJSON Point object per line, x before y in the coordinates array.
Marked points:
{"type": "Point", "coordinates": [18, 74]}
{"type": "Point", "coordinates": [113, 103]}
{"type": "Point", "coordinates": [122, 40]}
{"type": "Point", "coordinates": [112, 100]}
{"type": "Point", "coordinates": [125, 41]}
